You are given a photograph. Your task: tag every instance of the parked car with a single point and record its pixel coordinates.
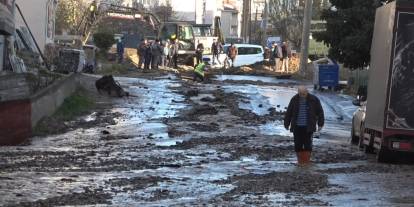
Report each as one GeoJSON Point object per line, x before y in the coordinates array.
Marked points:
{"type": "Point", "coordinates": [247, 55]}
{"type": "Point", "coordinates": [358, 120]}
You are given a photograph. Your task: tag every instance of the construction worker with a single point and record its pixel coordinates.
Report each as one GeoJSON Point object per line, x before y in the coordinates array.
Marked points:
{"type": "Point", "coordinates": [199, 71]}
{"type": "Point", "coordinates": [303, 114]}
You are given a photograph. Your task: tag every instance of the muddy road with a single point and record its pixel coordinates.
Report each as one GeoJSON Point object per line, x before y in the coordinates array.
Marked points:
{"type": "Point", "coordinates": [181, 143]}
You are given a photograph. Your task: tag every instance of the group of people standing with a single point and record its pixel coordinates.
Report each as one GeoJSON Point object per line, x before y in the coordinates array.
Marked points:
{"type": "Point", "coordinates": [154, 54]}
{"type": "Point", "coordinates": [280, 56]}
{"type": "Point", "coordinates": [216, 50]}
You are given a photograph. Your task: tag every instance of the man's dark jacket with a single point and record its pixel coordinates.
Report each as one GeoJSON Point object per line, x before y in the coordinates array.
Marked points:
{"type": "Point", "coordinates": [314, 109]}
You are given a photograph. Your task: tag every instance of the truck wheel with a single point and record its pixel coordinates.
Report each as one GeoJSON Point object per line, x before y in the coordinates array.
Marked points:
{"type": "Point", "coordinates": [385, 155]}
{"type": "Point", "coordinates": [354, 139]}
{"type": "Point", "coordinates": [369, 149]}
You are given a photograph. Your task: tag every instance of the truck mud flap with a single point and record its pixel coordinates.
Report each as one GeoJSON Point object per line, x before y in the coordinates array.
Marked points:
{"type": "Point", "coordinates": [377, 142]}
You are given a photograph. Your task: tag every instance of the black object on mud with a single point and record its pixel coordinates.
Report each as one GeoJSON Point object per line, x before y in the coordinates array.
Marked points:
{"type": "Point", "coordinates": [108, 84]}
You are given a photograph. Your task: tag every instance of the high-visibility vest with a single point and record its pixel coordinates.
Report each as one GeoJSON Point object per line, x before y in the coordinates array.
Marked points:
{"type": "Point", "coordinates": [199, 69]}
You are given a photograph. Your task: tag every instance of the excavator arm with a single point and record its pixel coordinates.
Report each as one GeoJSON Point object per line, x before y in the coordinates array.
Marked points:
{"type": "Point", "coordinates": [96, 12]}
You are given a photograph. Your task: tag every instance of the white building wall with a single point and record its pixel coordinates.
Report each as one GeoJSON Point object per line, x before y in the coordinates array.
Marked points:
{"type": "Point", "coordinates": [40, 16]}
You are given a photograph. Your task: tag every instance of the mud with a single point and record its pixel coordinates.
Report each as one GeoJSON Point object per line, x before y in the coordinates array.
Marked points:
{"type": "Point", "coordinates": [69, 161]}
{"type": "Point", "coordinates": [88, 197]}
{"type": "Point", "coordinates": [133, 184]}
{"type": "Point", "coordinates": [199, 110]}
{"type": "Point", "coordinates": [55, 125]}
{"type": "Point", "coordinates": [222, 146]}
{"type": "Point", "coordinates": [300, 181]}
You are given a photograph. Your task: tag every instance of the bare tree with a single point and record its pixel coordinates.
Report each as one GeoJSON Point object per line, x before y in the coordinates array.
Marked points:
{"type": "Point", "coordinates": [163, 12]}
{"type": "Point", "coordinates": [286, 17]}
{"type": "Point", "coordinates": [69, 15]}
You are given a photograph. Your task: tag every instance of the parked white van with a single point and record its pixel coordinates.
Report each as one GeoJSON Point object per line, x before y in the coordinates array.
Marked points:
{"type": "Point", "coordinates": [248, 55]}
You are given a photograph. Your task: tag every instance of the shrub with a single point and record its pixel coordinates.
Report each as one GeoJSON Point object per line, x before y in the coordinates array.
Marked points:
{"type": "Point", "coordinates": [103, 40]}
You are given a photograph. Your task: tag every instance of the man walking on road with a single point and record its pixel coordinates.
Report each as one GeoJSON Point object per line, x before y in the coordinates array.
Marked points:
{"type": "Point", "coordinates": [303, 114]}
{"type": "Point", "coordinates": [216, 49]}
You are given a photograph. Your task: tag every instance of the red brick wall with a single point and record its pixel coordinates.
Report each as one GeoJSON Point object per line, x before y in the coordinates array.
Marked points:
{"type": "Point", "coordinates": [15, 122]}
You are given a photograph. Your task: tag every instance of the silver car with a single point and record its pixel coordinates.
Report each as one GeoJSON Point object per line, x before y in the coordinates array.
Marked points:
{"type": "Point", "coordinates": [358, 120]}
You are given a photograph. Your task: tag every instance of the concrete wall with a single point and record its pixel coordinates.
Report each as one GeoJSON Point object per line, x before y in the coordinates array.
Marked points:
{"type": "Point", "coordinates": [18, 117]}
{"type": "Point", "coordinates": [47, 101]}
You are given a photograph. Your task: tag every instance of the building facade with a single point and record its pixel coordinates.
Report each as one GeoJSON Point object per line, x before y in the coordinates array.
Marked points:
{"type": "Point", "coordinates": [40, 18]}
{"type": "Point", "coordinates": [231, 19]}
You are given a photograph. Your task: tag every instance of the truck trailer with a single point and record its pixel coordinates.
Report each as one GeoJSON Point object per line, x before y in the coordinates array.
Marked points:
{"type": "Point", "coordinates": [388, 128]}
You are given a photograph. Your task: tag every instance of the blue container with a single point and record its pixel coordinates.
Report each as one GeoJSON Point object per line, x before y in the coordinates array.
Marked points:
{"type": "Point", "coordinates": [328, 75]}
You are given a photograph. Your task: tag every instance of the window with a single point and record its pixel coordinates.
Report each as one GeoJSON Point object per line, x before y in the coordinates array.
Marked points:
{"type": "Point", "coordinates": [186, 33]}
{"type": "Point", "coordinates": [255, 50]}
{"type": "Point", "coordinates": [167, 31]}
{"type": "Point", "coordinates": [202, 31]}
{"type": "Point", "coordinates": [243, 50]}
{"type": "Point", "coordinates": [249, 50]}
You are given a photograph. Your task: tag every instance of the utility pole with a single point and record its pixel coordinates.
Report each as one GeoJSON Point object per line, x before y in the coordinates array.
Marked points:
{"type": "Point", "coordinates": [265, 19]}
{"type": "Point", "coordinates": [304, 49]}
{"type": "Point", "coordinates": [255, 23]}
{"type": "Point", "coordinates": [250, 21]}
{"type": "Point", "coordinates": [246, 20]}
